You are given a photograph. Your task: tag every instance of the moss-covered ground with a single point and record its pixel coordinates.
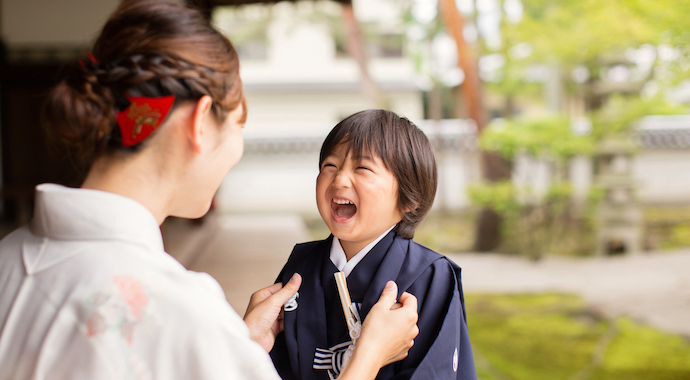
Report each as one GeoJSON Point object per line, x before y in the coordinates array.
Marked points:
{"type": "Point", "coordinates": [554, 336]}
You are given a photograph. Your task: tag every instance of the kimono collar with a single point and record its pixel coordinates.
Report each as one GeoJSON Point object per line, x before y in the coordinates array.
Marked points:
{"type": "Point", "coordinates": [65, 213]}
{"type": "Point", "coordinates": [340, 260]}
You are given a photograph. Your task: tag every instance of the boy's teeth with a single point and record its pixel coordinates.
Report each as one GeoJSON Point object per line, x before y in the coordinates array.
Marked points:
{"type": "Point", "coordinates": [342, 202]}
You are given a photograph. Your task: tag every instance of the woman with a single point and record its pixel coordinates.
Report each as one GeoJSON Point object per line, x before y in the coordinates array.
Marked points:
{"type": "Point", "coordinates": [87, 290]}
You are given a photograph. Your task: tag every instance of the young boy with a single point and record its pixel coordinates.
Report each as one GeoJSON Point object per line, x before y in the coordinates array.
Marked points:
{"type": "Point", "coordinates": [376, 183]}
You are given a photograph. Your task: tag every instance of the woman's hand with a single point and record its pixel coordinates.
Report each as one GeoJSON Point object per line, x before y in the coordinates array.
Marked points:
{"type": "Point", "coordinates": [265, 307]}
{"type": "Point", "coordinates": [387, 334]}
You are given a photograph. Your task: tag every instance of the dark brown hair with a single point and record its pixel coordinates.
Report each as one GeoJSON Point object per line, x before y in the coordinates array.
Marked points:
{"type": "Point", "coordinates": [405, 151]}
{"type": "Point", "coordinates": [146, 48]}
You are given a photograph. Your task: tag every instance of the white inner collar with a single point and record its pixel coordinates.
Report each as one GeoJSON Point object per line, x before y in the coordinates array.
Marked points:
{"type": "Point", "coordinates": [338, 254]}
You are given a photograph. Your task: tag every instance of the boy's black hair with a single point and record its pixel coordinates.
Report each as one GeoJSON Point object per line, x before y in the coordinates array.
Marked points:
{"type": "Point", "coordinates": [405, 151]}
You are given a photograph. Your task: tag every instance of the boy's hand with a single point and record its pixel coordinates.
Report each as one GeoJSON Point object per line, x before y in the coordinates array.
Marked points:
{"type": "Point", "coordinates": [265, 307]}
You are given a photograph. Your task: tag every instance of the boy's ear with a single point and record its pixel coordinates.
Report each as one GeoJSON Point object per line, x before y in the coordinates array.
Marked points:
{"type": "Point", "coordinates": [200, 119]}
{"type": "Point", "coordinates": [407, 209]}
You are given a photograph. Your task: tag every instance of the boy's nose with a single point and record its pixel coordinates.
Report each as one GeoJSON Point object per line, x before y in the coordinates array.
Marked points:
{"type": "Point", "coordinates": [342, 180]}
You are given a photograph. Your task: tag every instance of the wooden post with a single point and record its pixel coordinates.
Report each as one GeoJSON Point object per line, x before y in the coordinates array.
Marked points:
{"type": "Point", "coordinates": [494, 168]}
{"type": "Point", "coordinates": [355, 49]}
{"type": "Point", "coordinates": [467, 61]}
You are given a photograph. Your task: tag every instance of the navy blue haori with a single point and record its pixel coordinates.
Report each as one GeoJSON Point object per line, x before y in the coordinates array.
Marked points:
{"type": "Point", "coordinates": [315, 323]}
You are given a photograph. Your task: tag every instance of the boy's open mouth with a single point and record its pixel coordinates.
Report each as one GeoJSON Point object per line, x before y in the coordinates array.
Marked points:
{"type": "Point", "coordinates": [343, 209]}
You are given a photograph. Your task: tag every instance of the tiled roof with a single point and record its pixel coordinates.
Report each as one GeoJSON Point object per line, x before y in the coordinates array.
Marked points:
{"type": "Point", "coordinates": [445, 135]}
{"type": "Point", "coordinates": [664, 132]}
{"type": "Point", "coordinates": [652, 132]}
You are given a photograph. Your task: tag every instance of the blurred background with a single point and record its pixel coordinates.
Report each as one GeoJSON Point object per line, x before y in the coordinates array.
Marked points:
{"type": "Point", "coordinates": [562, 136]}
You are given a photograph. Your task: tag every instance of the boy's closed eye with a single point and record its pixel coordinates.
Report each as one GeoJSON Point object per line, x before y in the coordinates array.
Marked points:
{"type": "Point", "coordinates": [367, 163]}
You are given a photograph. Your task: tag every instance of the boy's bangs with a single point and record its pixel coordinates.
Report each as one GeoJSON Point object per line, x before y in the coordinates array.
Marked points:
{"type": "Point", "coordinates": [363, 145]}
{"type": "Point", "coordinates": [360, 137]}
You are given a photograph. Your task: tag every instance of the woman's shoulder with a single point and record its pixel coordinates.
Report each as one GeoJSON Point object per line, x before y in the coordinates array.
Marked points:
{"type": "Point", "coordinates": [15, 237]}
{"type": "Point", "coordinates": [140, 282]}
{"type": "Point", "coordinates": [11, 247]}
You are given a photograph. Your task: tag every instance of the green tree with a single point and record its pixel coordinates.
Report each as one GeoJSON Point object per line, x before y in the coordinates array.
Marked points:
{"type": "Point", "coordinates": [534, 222]}
{"type": "Point", "coordinates": [643, 41]}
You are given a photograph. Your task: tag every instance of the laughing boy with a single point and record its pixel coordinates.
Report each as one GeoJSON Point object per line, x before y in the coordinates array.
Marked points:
{"type": "Point", "coordinates": [377, 181]}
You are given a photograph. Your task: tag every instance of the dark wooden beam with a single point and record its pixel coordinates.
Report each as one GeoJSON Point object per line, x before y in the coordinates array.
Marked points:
{"type": "Point", "coordinates": [206, 6]}
{"type": "Point", "coordinates": [244, 2]}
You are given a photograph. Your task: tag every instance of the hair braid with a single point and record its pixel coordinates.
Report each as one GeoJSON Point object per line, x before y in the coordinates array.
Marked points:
{"type": "Point", "coordinates": [160, 75]}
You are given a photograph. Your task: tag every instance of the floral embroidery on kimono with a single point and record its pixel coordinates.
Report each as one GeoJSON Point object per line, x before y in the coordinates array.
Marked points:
{"type": "Point", "coordinates": [119, 308]}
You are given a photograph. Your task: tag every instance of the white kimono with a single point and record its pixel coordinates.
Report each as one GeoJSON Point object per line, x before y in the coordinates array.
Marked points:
{"type": "Point", "coordinates": [88, 292]}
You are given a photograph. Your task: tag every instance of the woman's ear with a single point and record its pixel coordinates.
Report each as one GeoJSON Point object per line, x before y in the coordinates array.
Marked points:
{"type": "Point", "coordinates": [200, 120]}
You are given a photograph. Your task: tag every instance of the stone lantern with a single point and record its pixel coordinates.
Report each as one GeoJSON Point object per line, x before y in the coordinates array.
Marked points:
{"type": "Point", "coordinates": [619, 215]}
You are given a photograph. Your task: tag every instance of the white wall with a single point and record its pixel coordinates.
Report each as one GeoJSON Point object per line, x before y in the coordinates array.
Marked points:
{"type": "Point", "coordinates": [456, 170]}
{"type": "Point", "coordinates": [274, 183]}
{"type": "Point", "coordinates": [663, 176]}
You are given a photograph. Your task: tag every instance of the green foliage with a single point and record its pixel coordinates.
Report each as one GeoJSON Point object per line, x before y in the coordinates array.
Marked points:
{"type": "Point", "coordinates": [596, 35]}
{"type": "Point", "coordinates": [578, 31]}
{"type": "Point", "coordinates": [534, 224]}
{"type": "Point", "coordinates": [621, 113]}
{"type": "Point", "coordinates": [528, 225]}
{"type": "Point", "coordinates": [499, 196]}
{"type": "Point", "coordinates": [644, 349]}
{"type": "Point", "coordinates": [667, 227]}
{"type": "Point", "coordinates": [680, 236]}
{"type": "Point", "coordinates": [554, 336]}
{"type": "Point", "coordinates": [547, 137]}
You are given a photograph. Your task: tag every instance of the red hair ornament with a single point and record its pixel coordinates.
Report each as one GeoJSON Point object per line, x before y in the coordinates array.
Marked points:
{"type": "Point", "coordinates": [91, 57]}
{"type": "Point", "coordinates": [142, 117]}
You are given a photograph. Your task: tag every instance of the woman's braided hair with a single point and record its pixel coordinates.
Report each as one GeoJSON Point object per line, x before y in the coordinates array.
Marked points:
{"type": "Point", "coordinates": [147, 48]}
